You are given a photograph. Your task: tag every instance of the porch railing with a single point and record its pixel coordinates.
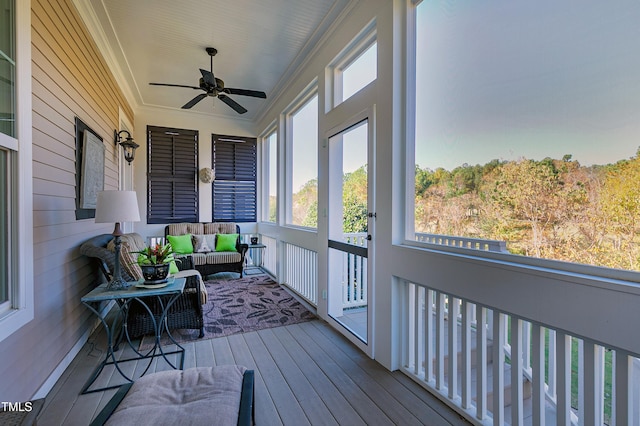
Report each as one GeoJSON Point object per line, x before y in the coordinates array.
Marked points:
{"type": "Point", "coordinates": [464, 242]}
{"type": "Point", "coordinates": [463, 351]}
{"type": "Point", "coordinates": [270, 259]}
{"type": "Point", "coordinates": [354, 274]}
{"type": "Point", "coordinates": [301, 271]}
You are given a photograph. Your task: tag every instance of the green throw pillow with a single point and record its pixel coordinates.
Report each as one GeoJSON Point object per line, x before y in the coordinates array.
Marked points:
{"type": "Point", "coordinates": [173, 268]}
{"type": "Point", "coordinates": [181, 244]}
{"type": "Point", "coordinates": [226, 242]}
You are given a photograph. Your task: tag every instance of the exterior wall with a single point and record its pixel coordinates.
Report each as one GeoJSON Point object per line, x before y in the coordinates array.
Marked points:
{"type": "Point", "coordinates": [191, 120]}
{"type": "Point", "coordinates": [70, 78]}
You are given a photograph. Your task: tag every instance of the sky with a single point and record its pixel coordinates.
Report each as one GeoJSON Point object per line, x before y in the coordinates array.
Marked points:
{"type": "Point", "coordinates": [498, 79]}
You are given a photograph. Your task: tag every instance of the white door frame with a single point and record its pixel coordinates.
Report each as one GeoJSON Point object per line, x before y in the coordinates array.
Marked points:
{"type": "Point", "coordinates": [368, 115]}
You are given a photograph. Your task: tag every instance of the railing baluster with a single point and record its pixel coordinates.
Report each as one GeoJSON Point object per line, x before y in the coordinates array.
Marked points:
{"type": "Point", "coordinates": [591, 408]}
{"type": "Point", "coordinates": [417, 332]}
{"type": "Point", "coordinates": [517, 410]}
{"type": "Point", "coordinates": [538, 375]}
{"type": "Point", "coordinates": [526, 345]}
{"type": "Point", "coordinates": [467, 309]}
{"type": "Point", "coordinates": [498, 368]}
{"type": "Point", "coordinates": [622, 390]}
{"type": "Point", "coordinates": [407, 330]}
{"type": "Point", "coordinates": [551, 370]}
{"type": "Point", "coordinates": [563, 385]}
{"type": "Point", "coordinates": [440, 301]}
{"type": "Point", "coordinates": [481, 363]}
{"type": "Point", "coordinates": [454, 309]}
{"type": "Point", "coordinates": [428, 330]}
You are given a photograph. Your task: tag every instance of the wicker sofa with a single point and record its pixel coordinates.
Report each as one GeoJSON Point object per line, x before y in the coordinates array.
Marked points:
{"type": "Point", "coordinates": [209, 262]}
{"type": "Point", "coordinates": [186, 312]}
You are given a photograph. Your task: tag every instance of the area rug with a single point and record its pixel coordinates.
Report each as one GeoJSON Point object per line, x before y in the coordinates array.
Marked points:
{"type": "Point", "coordinates": [239, 306]}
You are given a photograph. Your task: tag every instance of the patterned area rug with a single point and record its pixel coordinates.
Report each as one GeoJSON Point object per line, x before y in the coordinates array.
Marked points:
{"type": "Point", "coordinates": [239, 306]}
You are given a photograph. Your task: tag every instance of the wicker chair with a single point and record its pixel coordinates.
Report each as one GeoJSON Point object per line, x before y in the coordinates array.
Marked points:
{"type": "Point", "coordinates": [186, 312]}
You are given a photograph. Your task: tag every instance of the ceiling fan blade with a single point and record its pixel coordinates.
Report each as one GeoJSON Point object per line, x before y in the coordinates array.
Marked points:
{"type": "Point", "coordinates": [208, 77]}
{"type": "Point", "coordinates": [174, 85]}
{"type": "Point", "coordinates": [245, 92]}
{"type": "Point", "coordinates": [233, 104]}
{"type": "Point", "coordinates": [194, 101]}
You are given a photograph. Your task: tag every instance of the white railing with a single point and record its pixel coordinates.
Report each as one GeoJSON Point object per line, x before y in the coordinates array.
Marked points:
{"type": "Point", "coordinates": [463, 242]}
{"type": "Point", "coordinates": [301, 271]}
{"type": "Point", "coordinates": [270, 259]}
{"type": "Point", "coordinates": [554, 375]}
{"type": "Point", "coordinates": [354, 274]}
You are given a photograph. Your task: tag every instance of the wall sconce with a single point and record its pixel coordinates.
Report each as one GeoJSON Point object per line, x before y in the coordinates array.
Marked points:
{"type": "Point", "coordinates": [128, 145]}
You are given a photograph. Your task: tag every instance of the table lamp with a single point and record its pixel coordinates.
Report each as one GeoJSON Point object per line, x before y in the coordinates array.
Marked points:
{"type": "Point", "coordinates": [117, 206]}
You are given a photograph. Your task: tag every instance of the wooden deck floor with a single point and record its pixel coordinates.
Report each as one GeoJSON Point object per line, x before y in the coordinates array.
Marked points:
{"type": "Point", "coordinates": [305, 374]}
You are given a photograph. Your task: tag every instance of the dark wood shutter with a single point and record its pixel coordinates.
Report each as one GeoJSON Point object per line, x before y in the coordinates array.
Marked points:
{"type": "Point", "coordinates": [172, 170]}
{"type": "Point", "coordinates": [234, 188]}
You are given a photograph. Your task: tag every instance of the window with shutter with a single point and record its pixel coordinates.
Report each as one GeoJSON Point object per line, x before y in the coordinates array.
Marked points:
{"type": "Point", "coordinates": [234, 188]}
{"type": "Point", "coordinates": [172, 169]}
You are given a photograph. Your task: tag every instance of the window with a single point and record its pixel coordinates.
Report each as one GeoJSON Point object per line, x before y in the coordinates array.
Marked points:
{"type": "Point", "coordinates": [360, 72]}
{"type": "Point", "coordinates": [172, 168]}
{"type": "Point", "coordinates": [16, 197]}
{"type": "Point", "coordinates": [7, 68]}
{"type": "Point", "coordinates": [303, 182]}
{"type": "Point", "coordinates": [356, 66]}
{"type": "Point", "coordinates": [270, 184]}
{"type": "Point", "coordinates": [521, 136]}
{"type": "Point", "coordinates": [234, 188]}
{"type": "Point", "coordinates": [7, 127]}
{"type": "Point", "coordinates": [5, 304]}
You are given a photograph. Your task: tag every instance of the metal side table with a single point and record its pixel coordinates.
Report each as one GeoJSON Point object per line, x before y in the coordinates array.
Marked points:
{"type": "Point", "coordinates": [256, 251]}
{"type": "Point", "coordinates": [166, 296]}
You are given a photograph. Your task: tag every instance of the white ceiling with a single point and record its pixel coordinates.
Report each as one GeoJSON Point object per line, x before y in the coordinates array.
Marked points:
{"type": "Point", "coordinates": [259, 42]}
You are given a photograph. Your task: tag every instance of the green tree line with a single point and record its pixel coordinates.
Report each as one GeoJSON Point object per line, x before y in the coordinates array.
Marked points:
{"type": "Point", "coordinates": [552, 208]}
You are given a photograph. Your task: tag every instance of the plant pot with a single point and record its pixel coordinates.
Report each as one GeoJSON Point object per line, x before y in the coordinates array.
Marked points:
{"type": "Point", "coordinates": [155, 274]}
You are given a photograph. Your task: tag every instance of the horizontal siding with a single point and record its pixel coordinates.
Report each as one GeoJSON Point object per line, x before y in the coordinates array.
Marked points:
{"type": "Point", "coordinates": [69, 78]}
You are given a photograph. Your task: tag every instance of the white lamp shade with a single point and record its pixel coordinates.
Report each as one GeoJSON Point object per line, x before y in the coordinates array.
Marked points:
{"type": "Point", "coordinates": [117, 206]}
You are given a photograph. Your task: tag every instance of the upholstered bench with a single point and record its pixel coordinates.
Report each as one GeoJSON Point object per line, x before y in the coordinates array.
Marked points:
{"type": "Point", "coordinates": [202, 242]}
{"type": "Point", "coordinates": [216, 396]}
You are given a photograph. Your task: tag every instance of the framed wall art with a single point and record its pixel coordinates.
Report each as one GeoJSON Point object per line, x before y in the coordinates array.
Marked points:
{"type": "Point", "coordinates": [90, 152]}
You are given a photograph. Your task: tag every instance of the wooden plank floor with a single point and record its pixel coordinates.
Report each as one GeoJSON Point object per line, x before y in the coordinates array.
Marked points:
{"type": "Point", "coordinates": [305, 374]}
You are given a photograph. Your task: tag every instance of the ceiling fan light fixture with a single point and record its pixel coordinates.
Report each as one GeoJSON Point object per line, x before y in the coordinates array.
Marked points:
{"type": "Point", "coordinates": [214, 87]}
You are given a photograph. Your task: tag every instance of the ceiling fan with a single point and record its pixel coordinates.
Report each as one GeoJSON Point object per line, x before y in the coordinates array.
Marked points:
{"type": "Point", "coordinates": [213, 86]}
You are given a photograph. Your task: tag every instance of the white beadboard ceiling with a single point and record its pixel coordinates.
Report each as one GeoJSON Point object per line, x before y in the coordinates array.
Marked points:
{"type": "Point", "coordinates": [259, 43]}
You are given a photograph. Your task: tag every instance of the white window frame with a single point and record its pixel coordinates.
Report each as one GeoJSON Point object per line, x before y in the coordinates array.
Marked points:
{"type": "Point", "coordinates": [360, 44]}
{"type": "Point", "coordinates": [287, 118]}
{"type": "Point", "coordinates": [265, 172]}
{"type": "Point", "coordinates": [550, 265]}
{"type": "Point", "coordinates": [21, 186]}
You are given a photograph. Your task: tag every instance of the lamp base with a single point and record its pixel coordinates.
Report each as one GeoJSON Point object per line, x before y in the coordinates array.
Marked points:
{"type": "Point", "coordinates": [117, 282]}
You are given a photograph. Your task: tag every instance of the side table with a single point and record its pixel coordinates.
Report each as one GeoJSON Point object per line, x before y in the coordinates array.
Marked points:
{"type": "Point", "coordinates": [259, 250]}
{"type": "Point", "coordinates": [166, 296]}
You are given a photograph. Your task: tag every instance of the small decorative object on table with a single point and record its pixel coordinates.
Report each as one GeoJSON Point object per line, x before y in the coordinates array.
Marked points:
{"type": "Point", "coordinates": [254, 240]}
{"type": "Point", "coordinates": [155, 262]}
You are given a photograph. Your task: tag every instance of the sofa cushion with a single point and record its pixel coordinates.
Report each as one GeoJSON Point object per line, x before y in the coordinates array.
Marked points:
{"type": "Point", "coordinates": [226, 242]}
{"type": "Point", "coordinates": [195, 396]}
{"type": "Point", "coordinates": [181, 244]}
{"type": "Point", "coordinates": [129, 244]}
{"type": "Point", "coordinates": [219, 228]}
{"type": "Point", "coordinates": [185, 228]}
{"type": "Point", "coordinates": [215, 258]}
{"type": "Point", "coordinates": [204, 243]}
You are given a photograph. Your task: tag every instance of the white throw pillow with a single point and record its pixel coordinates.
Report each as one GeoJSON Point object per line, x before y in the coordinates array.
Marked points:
{"type": "Point", "coordinates": [204, 243]}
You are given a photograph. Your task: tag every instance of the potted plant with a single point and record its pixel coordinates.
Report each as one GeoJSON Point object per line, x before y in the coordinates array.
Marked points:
{"type": "Point", "coordinates": [154, 262]}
